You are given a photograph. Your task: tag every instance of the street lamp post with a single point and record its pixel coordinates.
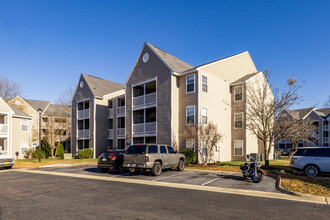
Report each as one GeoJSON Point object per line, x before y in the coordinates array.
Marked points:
{"type": "Point", "coordinates": [39, 111]}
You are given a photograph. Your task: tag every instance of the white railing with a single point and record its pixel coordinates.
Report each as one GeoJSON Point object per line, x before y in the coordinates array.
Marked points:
{"type": "Point", "coordinates": [3, 129]}
{"type": "Point", "coordinates": [121, 132]}
{"type": "Point", "coordinates": [144, 100]}
{"type": "Point", "coordinates": [83, 133]}
{"type": "Point", "coordinates": [325, 140]}
{"type": "Point", "coordinates": [4, 152]}
{"type": "Point", "coordinates": [325, 127]}
{"type": "Point", "coordinates": [121, 111]}
{"type": "Point", "coordinates": [110, 113]}
{"type": "Point", "coordinates": [144, 128]}
{"type": "Point", "coordinates": [83, 113]}
{"type": "Point", "coordinates": [110, 136]}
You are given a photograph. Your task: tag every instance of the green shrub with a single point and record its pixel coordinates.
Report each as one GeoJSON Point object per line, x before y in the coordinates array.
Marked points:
{"type": "Point", "coordinates": [190, 156]}
{"type": "Point", "coordinates": [45, 147]}
{"type": "Point", "coordinates": [85, 153]}
{"type": "Point", "coordinates": [60, 150]}
{"type": "Point", "coordinates": [43, 154]}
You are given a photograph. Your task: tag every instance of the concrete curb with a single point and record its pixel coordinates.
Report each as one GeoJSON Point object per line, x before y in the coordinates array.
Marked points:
{"type": "Point", "coordinates": [306, 196]}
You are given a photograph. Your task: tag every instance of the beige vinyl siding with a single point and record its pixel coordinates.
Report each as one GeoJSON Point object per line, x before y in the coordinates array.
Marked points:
{"type": "Point", "coordinates": [217, 101]}
{"type": "Point", "coordinates": [19, 136]}
{"type": "Point", "coordinates": [175, 110]}
{"type": "Point", "coordinates": [144, 71]}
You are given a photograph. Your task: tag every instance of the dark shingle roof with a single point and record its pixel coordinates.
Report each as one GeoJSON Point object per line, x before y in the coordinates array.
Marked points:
{"type": "Point", "coordinates": [18, 111]}
{"type": "Point", "coordinates": [323, 112]}
{"type": "Point", "coordinates": [299, 113]}
{"type": "Point", "coordinates": [244, 78]}
{"type": "Point", "coordinates": [61, 111]}
{"type": "Point", "coordinates": [101, 87]}
{"type": "Point", "coordinates": [174, 63]}
{"type": "Point", "coordinates": [36, 104]}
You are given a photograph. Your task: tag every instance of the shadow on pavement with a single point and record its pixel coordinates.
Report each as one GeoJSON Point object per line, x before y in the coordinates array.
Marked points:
{"type": "Point", "coordinates": [234, 177]}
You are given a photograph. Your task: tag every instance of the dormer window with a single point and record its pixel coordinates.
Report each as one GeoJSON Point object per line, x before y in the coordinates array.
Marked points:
{"type": "Point", "coordinates": [238, 93]}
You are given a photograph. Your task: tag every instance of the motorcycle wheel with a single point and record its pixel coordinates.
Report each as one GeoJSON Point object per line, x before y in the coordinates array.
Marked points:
{"type": "Point", "coordinates": [257, 178]}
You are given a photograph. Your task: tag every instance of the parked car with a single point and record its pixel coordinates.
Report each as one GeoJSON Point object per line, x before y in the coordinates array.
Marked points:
{"type": "Point", "coordinates": [111, 160]}
{"type": "Point", "coordinates": [154, 157]}
{"type": "Point", "coordinates": [6, 161]}
{"type": "Point", "coordinates": [311, 160]}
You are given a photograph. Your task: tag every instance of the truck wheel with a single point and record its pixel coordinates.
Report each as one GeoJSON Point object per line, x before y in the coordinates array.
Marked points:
{"type": "Point", "coordinates": [311, 170]}
{"type": "Point", "coordinates": [156, 169]}
{"type": "Point", "coordinates": [180, 165]}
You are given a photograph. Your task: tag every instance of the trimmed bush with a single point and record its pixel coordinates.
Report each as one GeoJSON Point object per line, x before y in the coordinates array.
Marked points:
{"type": "Point", "coordinates": [85, 153]}
{"type": "Point", "coordinates": [43, 154]}
{"type": "Point", "coordinates": [190, 156]}
{"type": "Point", "coordinates": [60, 150]}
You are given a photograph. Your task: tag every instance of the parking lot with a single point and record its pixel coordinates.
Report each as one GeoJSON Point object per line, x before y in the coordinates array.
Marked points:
{"type": "Point", "coordinates": [216, 179]}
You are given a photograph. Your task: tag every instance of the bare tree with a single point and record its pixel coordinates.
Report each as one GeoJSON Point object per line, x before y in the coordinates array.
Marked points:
{"type": "Point", "coordinates": [175, 144]}
{"type": "Point", "coordinates": [296, 130]}
{"type": "Point", "coordinates": [327, 103]}
{"type": "Point", "coordinates": [205, 139]}
{"type": "Point", "coordinates": [263, 107]}
{"type": "Point", "coordinates": [8, 88]}
{"type": "Point", "coordinates": [66, 96]}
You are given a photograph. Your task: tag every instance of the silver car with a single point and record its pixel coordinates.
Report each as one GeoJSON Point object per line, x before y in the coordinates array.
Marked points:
{"type": "Point", "coordinates": [6, 161]}
{"type": "Point", "coordinates": [311, 160]}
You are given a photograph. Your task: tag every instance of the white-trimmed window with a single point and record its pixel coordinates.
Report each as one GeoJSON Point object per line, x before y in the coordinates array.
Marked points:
{"type": "Point", "coordinates": [238, 93]}
{"type": "Point", "coordinates": [24, 125]}
{"type": "Point", "coordinates": [190, 113]}
{"type": "Point", "coordinates": [238, 148]}
{"type": "Point", "coordinates": [204, 83]}
{"type": "Point", "coordinates": [190, 143]}
{"type": "Point", "coordinates": [190, 83]}
{"type": "Point", "coordinates": [204, 115]}
{"type": "Point", "coordinates": [204, 148]}
{"type": "Point", "coordinates": [24, 147]}
{"type": "Point", "coordinates": [238, 120]}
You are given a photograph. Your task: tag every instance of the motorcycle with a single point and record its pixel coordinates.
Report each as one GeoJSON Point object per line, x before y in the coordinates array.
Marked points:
{"type": "Point", "coordinates": [252, 170]}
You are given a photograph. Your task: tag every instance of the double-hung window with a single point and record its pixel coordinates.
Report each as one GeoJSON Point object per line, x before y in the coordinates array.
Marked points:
{"type": "Point", "coordinates": [204, 83]}
{"type": "Point", "coordinates": [238, 93]}
{"type": "Point", "coordinates": [238, 118]}
{"type": "Point", "coordinates": [190, 115]}
{"type": "Point", "coordinates": [24, 147]}
{"type": "Point", "coordinates": [190, 83]}
{"type": "Point", "coordinates": [204, 115]}
{"type": "Point", "coordinates": [238, 148]}
{"type": "Point", "coordinates": [190, 143]}
{"type": "Point", "coordinates": [24, 125]}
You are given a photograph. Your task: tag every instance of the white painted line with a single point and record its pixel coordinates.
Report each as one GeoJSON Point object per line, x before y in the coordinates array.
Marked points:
{"type": "Point", "coordinates": [243, 192]}
{"type": "Point", "coordinates": [209, 181]}
{"type": "Point", "coordinates": [167, 177]}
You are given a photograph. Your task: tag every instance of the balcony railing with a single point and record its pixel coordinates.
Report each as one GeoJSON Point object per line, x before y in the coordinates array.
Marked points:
{"type": "Point", "coordinates": [83, 133]}
{"type": "Point", "coordinates": [110, 113]}
{"type": "Point", "coordinates": [121, 111]}
{"type": "Point", "coordinates": [3, 129]}
{"type": "Point", "coordinates": [325, 140]}
{"type": "Point", "coordinates": [121, 132]}
{"type": "Point", "coordinates": [110, 135]}
{"type": "Point", "coordinates": [4, 152]}
{"type": "Point", "coordinates": [144, 128]}
{"type": "Point", "coordinates": [83, 113]}
{"type": "Point", "coordinates": [325, 127]}
{"type": "Point", "coordinates": [144, 100]}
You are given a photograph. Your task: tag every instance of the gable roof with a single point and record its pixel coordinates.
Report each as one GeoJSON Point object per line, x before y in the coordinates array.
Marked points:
{"type": "Point", "coordinates": [323, 112]}
{"type": "Point", "coordinates": [36, 104]}
{"type": "Point", "coordinates": [61, 111]}
{"type": "Point", "coordinates": [172, 62]}
{"type": "Point", "coordinates": [18, 112]}
{"type": "Point", "coordinates": [294, 114]}
{"type": "Point", "coordinates": [101, 87]}
{"type": "Point", "coordinates": [244, 78]}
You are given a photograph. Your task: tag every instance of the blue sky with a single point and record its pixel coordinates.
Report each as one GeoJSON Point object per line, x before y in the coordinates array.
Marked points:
{"type": "Point", "coordinates": [45, 45]}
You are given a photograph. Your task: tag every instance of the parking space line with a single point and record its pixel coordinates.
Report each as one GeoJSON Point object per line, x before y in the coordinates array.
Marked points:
{"type": "Point", "coordinates": [209, 181]}
{"type": "Point", "coordinates": [167, 177]}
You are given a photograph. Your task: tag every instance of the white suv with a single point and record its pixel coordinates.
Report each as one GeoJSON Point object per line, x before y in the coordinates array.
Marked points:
{"type": "Point", "coordinates": [6, 161]}
{"type": "Point", "coordinates": [311, 160]}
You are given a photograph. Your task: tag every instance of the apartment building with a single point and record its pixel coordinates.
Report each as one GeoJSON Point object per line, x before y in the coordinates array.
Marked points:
{"type": "Point", "coordinates": [15, 130]}
{"type": "Point", "coordinates": [320, 119]}
{"type": "Point", "coordinates": [161, 98]}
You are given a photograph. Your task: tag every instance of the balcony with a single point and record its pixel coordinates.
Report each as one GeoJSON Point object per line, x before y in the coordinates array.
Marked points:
{"type": "Point", "coordinates": [83, 113]}
{"type": "Point", "coordinates": [325, 140]}
{"type": "Point", "coordinates": [110, 113]}
{"type": "Point", "coordinates": [144, 128]}
{"type": "Point", "coordinates": [121, 132]}
{"type": "Point", "coordinates": [4, 152]}
{"type": "Point", "coordinates": [325, 127]}
{"type": "Point", "coordinates": [3, 129]}
{"type": "Point", "coordinates": [144, 100]}
{"type": "Point", "coordinates": [110, 135]}
{"type": "Point", "coordinates": [120, 111]}
{"type": "Point", "coordinates": [83, 133]}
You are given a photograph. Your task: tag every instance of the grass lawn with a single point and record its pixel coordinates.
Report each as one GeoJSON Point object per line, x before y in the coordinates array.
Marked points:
{"type": "Point", "coordinates": [319, 186]}
{"type": "Point", "coordinates": [34, 163]}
